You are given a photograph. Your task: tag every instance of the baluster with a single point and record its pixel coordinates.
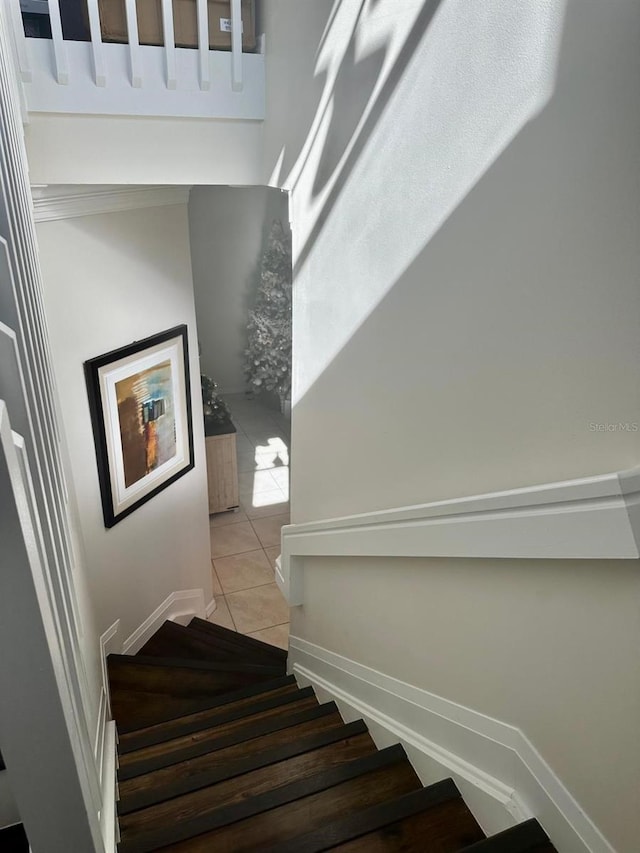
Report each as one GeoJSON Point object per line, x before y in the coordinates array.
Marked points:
{"type": "Point", "coordinates": [100, 73]}
{"type": "Point", "coordinates": [169, 43]}
{"type": "Point", "coordinates": [20, 41]}
{"type": "Point", "coordinates": [60, 58]}
{"type": "Point", "coordinates": [134, 44]}
{"type": "Point", "coordinates": [203, 44]}
{"type": "Point", "coordinates": [236, 45]}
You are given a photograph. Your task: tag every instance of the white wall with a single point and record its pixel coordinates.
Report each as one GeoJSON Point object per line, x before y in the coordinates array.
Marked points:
{"type": "Point", "coordinates": [8, 810]}
{"type": "Point", "coordinates": [465, 307]}
{"type": "Point", "coordinates": [84, 149]}
{"type": "Point", "coordinates": [110, 279]}
{"type": "Point", "coordinates": [228, 227]}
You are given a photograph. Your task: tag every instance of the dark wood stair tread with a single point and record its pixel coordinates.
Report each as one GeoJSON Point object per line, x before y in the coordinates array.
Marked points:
{"type": "Point", "coordinates": [210, 718]}
{"type": "Point", "coordinates": [526, 837]}
{"type": "Point", "coordinates": [318, 720]}
{"type": "Point", "coordinates": [174, 640]}
{"type": "Point", "coordinates": [245, 764]}
{"type": "Point", "coordinates": [245, 646]}
{"type": "Point", "coordinates": [156, 680]}
{"type": "Point", "coordinates": [219, 733]}
{"type": "Point", "coordinates": [243, 732]}
{"type": "Point", "coordinates": [276, 815]}
{"type": "Point", "coordinates": [13, 839]}
{"type": "Point", "coordinates": [120, 665]}
{"type": "Point", "coordinates": [194, 705]}
{"type": "Point", "coordinates": [437, 813]}
{"type": "Point", "coordinates": [205, 800]}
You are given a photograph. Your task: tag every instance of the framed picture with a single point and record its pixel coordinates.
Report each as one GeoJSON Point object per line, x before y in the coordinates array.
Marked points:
{"type": "Point", "coordinates": [140, 402]}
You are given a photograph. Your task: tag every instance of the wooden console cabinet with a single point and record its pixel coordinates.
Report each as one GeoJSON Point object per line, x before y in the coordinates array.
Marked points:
{"type": "Point", "coordinates": [222, 472]}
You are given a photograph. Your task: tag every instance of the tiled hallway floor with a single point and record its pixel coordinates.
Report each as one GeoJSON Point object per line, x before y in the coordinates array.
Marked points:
{"type": "Point", "coordinates": [245, 544]}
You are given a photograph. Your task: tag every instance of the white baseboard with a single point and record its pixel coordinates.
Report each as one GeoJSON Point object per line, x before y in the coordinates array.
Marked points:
{"type": "Point", "coordinates": [108, 817]}
{"type": "Point", "coordinates": [178, 607]}
{"type": "Point", "coordinates": [108, 645]}
{"type": "Point", "coordinates": [210, 608]}
{"type": "Point", "coordinates": [501, 775]}
{"type": "Point", "coordinates": [105, 755]}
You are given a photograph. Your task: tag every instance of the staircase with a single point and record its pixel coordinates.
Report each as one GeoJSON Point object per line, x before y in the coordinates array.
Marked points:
{"type": "Point", "coordinates": [220, 750]}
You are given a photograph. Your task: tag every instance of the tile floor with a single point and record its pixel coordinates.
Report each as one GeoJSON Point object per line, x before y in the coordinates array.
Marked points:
{"type": "Point", "coordinates": [245, 544]}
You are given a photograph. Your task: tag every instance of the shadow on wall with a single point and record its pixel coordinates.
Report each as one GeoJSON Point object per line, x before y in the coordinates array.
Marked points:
{"type": "Point", "coordinates": [418, 106]}
{"type": "Point", "coordinates": [511, 331]}
{"type": "Point", "coordinates": [354, 85]}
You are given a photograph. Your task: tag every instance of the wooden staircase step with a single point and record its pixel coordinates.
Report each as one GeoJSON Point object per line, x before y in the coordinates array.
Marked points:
{"type": "Point", "coordinates": [206, 738]}
{"type": "Point", "coordinates": [174, 640]}
{"type": "Point", "coordinates": [247, 647]}
{"type": "Point", "coordinates": [437, 813]}
{"type": "Point", "coordinates": [246, 731]}
{"type": "Point", "coordinates": [277, 815]}
{"type": "Point", "coordinates": [316, 721]}
{"type": "Point", "coordinates": [13, 839]}
{"type": "Point", "coordinates": [179, 676]}
{"type": "Point", "coordinates": [169, 677]}
{"type": "Point", "coordinates": [193, 706]}
{"type": "Point", "coordinates": [206, 800]}
{"type": "Point", "coordinates": [134, 708]}
{"type": "Point", "coordinates": [280, 753]}
{"type": "Point", "coordinates": [527, 837]}
{"type": "Point", "coordinates": [210, 718]}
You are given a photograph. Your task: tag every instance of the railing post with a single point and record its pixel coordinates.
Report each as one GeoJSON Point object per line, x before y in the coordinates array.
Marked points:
{"type": "Point", "coordinates": [60, 58]}
{"type": "Point", "coordinates": [203, 44]}
{"type": "Point", "coordinates": [236, 45]}
{"type": "Point", "coordinates": [134, 44]}
{"type": "Point", "coordinates": [96, 43]}
{"type": "Point", "coordinates": [169, 43]}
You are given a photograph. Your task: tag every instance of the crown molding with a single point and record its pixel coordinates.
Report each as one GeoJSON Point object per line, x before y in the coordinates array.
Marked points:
{"type": "Point", "coordinates": [68, 202]}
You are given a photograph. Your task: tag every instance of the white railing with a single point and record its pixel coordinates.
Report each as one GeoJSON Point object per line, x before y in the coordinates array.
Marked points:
{"type": "Point", "coordinates": [99, 77]}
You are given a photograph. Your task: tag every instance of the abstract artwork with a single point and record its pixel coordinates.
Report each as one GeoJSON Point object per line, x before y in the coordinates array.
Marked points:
{"type": "Point", "coordinates": [140, 403]}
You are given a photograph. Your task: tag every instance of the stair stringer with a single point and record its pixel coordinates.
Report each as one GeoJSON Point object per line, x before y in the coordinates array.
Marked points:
{"type": "Point", "coordinates": [502, 777]}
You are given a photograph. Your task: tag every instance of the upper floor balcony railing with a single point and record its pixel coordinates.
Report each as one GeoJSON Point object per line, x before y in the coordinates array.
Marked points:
{"type": "Point", "coordinates": [182, 58]}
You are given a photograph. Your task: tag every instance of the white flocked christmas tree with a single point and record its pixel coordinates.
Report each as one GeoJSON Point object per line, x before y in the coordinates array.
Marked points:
{"type": "Point", "coordinates": [268, 354]}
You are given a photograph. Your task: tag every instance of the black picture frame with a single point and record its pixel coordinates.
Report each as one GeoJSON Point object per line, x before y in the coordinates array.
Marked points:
{"type": "Point", "coordinates": [140, 406]}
